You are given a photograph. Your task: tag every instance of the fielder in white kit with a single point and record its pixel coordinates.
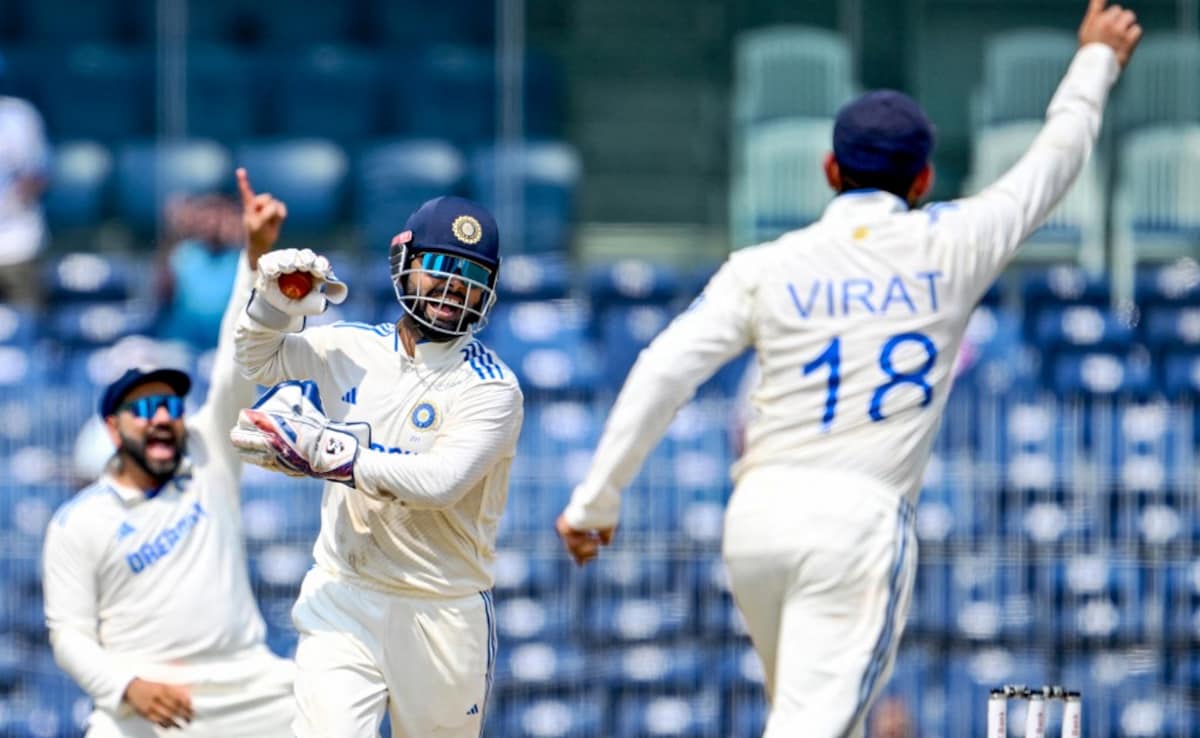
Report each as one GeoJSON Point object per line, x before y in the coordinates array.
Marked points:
{"type": "Point", "coordinates": [147, 596]}
{"type": "Point", "coordinates": [397, 613]}
{"type": "Point", "coordinates": [856, 320]}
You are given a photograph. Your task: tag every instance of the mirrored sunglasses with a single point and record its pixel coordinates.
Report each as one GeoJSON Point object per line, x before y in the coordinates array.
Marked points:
{"type": "Point", "coordinates": [457, 266]}
{"type": "Point", "coordinates": [146, 407]}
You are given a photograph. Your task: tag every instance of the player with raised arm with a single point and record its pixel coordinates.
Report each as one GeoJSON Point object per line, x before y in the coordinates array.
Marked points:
{"type": "Point", "coordinates": [856, 320]}
{"type": "Point", "coordinates": [414, 425]}
{"type": "Point", "coordinates": [147, 596]}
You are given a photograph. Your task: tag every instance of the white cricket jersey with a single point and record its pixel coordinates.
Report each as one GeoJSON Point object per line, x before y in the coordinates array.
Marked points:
{"type": "Point", "coordinates": [856, 319]}
{"type": "Point", "coordinates": [429, 492]}
{"type": "Point", "coordinates": [133, 580]}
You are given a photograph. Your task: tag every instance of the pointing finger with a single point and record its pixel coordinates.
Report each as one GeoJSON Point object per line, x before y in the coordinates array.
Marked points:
{"type": "Point", "coordinates": [1095, 6]}
{"type": "Point", "coordinates": [244, 188]}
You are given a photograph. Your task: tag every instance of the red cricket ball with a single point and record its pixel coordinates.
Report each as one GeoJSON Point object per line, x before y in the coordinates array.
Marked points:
{"type": "Point", "coordinates": [295, 285]}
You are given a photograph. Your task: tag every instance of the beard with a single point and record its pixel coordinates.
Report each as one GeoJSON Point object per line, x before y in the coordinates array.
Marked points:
{"type": "Point", "coordinates": [161, 470]}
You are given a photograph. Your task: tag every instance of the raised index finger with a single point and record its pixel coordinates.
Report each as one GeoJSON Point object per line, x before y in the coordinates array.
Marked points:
{"type": "Point", "coordinates": [244, 188]}
{"type": "Point", "coordinates": [1096, 6]}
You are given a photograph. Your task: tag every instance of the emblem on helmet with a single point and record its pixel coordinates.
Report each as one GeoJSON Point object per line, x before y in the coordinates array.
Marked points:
{"type": "Point", "coordinates": [467, 229]}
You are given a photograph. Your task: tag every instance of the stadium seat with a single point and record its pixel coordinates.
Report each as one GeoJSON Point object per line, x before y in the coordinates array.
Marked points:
{"type": "Point", "coordinates": [93, 91]}
{"type": "Point", "coordinates": [632, 281]}
{"type": "Point", "coordinates": [65, 23]}
{"type": "Point", "coordinates": [625, 331]}
{"type": "Point", "coordinates": [527, 277]}
{"type": "Point", "coordinates": [222, 94]}
{"type": "Point", "coordinates": [88, 277]}
{"type": "Point", "coordinates": [636, 620]}
{"type": "Point", "coordinates": [328, 91]}
{"type": "Point", "coordinates": [579, 716]}
{"type": "Point", "coordinates": [1059, 286]}
{"type": "Point", "coordinates": [100, 323]}
{"type": "Point", "coordinates": [1169, 285]}
{"type": "Point", "coordinates": [1074, 231]}
{"type": "Point", "coordinates": [542, 668]}
{"type": "Point", "coordinates": [1181, 376]}
{"type": "Point", "coordinates": [1162, 88]}
{"type": "Point", "coordinates": [448, 92]}
{"type": "Point", "coordinates": [399, 23]}
{"type": "Point", "coordinates": [1021, 70]}
{"type": "Point", "coordinates": [1153, 215]}
{"type": "Point", "coordinates": [294, 23]}
{"type": "Point", "coordinates": [790, 72]}
{"type": "Point", "coordinates": [308, 174]}
{"type": "Point", "coordinates": [1083, 327]}
{"type": "Point", "coordinates": [17, 327]}
{"type": "Point", "coordinates": [777, 185]}
{"type": "Point", "coordinates": [1102, 374]}
{"type": "Point", "coordinates": [394, 178]}
{"type": "Point", "coordinates": [524, 574]}
{"type": "Point", "coordinates": [522, 619]}
{"type": "Point", "coordinates": [688, 715]}
{"type": "Point", "coordinates": [530, 188]}
{"type": "Point", "coordinates": [544, 343]}
{"type": "Point", "coordinates": [80, 180]}
{"type": "Point", "coordinates": [150, 173]}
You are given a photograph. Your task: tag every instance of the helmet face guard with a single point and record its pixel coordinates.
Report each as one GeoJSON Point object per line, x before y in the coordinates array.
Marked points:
{"type": "Point", "coordinates": [460, 297]}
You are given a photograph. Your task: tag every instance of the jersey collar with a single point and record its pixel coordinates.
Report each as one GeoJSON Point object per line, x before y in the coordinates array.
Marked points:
{"type": "Point", "coordinates": [434, 354]}
{"type": "Point", "coordinates": [132, 495]}
{"type": "Point", "coordinates": [860, 203]}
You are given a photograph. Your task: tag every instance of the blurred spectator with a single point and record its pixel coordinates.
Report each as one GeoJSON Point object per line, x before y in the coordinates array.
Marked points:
{"type": "Point", "coordinates": [891, 719]}
{"type": "Point", "coordinates": [196, 267]}
{"type": "Point", "coordinates": [23, 166]}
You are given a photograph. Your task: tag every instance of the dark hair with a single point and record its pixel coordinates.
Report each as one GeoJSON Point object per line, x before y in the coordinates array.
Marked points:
{"type": "Point", "coordinates": [886, 181]}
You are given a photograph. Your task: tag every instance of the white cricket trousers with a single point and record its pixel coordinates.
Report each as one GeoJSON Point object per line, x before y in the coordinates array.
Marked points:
{"type": "Point", "coordinates": [821, 565]}
{"type": "Point", "coordinates": [427, 661]}
{"type": "Point", "coordinates": [243, 695]}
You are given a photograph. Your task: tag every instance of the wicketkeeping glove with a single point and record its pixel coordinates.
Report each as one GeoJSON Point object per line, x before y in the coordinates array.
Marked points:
{"type": "Point", "coordinates": [270, 307]}
{"type": "Point", "coordinates": [287, 431]}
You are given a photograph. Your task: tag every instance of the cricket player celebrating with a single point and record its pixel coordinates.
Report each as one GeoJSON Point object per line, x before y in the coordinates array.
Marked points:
{"type": "Point", "coordinates": [414, 428]}
{"type": "Point", "coordinates": [147, 596]}
{"type": "Point", "coordinates": [856, 320]}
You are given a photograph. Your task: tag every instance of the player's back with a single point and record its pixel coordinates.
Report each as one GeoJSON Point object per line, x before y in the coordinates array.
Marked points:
{"type": "Point", "coordinates": [857, 320]}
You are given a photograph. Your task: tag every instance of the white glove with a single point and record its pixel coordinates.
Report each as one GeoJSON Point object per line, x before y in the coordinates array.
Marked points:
{"type": "Point", "coordinates": [287, 431]}
{"type": "Point", "coordinates": [273, 309]}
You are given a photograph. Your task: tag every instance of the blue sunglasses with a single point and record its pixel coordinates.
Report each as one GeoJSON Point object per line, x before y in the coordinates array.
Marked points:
{"type": "Point", "coordinates": [455, 265]}
{"type": "Point", "coordinates": [146, 407]}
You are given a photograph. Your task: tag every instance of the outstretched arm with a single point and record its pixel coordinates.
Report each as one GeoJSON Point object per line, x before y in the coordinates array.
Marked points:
{"type": "Point", "coordinates": [995, 222]}
{"type": "Point", "coordinates": [712, 331]}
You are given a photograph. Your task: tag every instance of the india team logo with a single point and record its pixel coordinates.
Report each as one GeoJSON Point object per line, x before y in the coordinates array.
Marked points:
{"type": "Point", "coordinates": [467, 229]}
{"type": "Point", "coordinates": [425, 416]}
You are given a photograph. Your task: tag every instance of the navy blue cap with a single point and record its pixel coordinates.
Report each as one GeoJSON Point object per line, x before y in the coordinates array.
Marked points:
{"type": "Point", "coordinates": [458, 226]}
{"type": "Point", "coordinates": [115, 392]}
{"type": "Point", "coordinates": [882, 132]}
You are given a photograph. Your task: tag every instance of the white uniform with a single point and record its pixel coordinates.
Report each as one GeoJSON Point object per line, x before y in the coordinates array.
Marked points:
{"type": "Point", "coordinates": [156, 586]}
{"type": "Point", "coordinates": [397, 614]}
{"type": "Point", "coordinates": [856, 321]}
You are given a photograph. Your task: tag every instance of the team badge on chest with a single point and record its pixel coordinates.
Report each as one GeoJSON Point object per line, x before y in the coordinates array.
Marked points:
{"type": "Point", "coordinates": [425, 416]}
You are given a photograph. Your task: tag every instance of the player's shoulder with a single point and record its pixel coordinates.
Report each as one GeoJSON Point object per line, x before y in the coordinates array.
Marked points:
{"type": "Point", "coordinates": [378, 335]}
{"type": "Point", "coordinates": [482, 364]}
{"type": "Point", "coordinates": [96, 499]}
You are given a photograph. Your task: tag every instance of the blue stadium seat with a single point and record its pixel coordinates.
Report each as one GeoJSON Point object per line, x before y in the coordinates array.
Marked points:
{"type": "Point", "coordinates": [628, 573]}
{"type": "Point", "coordinates": [577, 716]}
{"type": "Point", "coordinates": [448, 92]}
{"type": "Point", "coordinates": [328, 92]}
{"type": "Point", "coordinates": [150, 173]}
{"type": "Point", "coordinates": [545, 345]}
{"type": "Point", "coordinates": [534, 277]}
{"type": "Point", "coordinates": [279, 568]}
{"type": "Point", "coordinates": [633, 281]}
{"type": "Point", "coordinates": [522, 619]}
{"type": "Point", "coordinates": [520, 573]}
{"type": "Point", "coordinates": [1129, 679]}
{"type": "Point", "coordinates": [1176, 285]}
{"type": "Point", "coordinates": [1083, 327]}
{"type": "Point", "coordinates": [100, 323]}
{"type": "Point", "coordinates": [654, 669]}
{"type": "Point", "coordinates": [684, 715]}
{"type": "Point", "coordinates": [1173, 329]}
{"type": "Point", "coordinates": [276, 510]}
{"type": "Point", "coordinates": [17, 327]}
{"type": "Point", "coordinates": [404, 23]}
{"type": "Point", "coordinates": [1100, 374]}
{"type": "Point", "coordinates": [65, 23]}
{"type": "Point", "coordinates": [544, 668]}
{"type": "Point", "coordinates": [1060, 285]}
{"type": "Point", "coordinates": [89, 277]}
{"type": "Point", "coordinates": [295, 23]}
{"type": "Point", "coordinates": [222, 97]}
{"type": "Point", "coordinates": [625, 331]}
{"type": "Point", "coordinates": [394, 178]}
{"type": "Point", "coordinates": [80, 180]}
{"type": "Point", "coordinates": [634, 620]}
{"type": "Point", "coordinates": [308, 174]}
{"type": "Point", "coordinates": [544, 176]}
{"type": "Point", "coordinates": [94, 91]}
{"type": "Point", "coordinates": [1182, 375]}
